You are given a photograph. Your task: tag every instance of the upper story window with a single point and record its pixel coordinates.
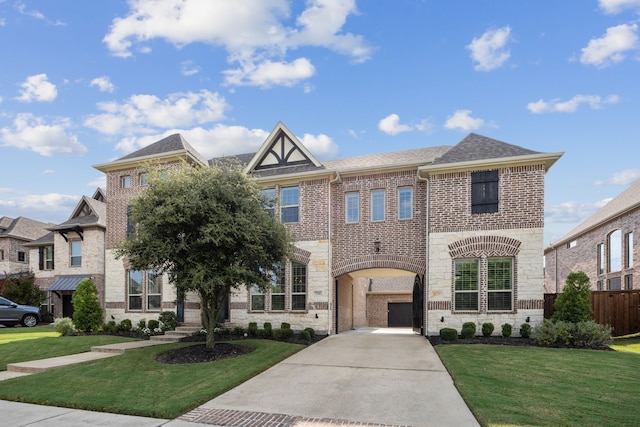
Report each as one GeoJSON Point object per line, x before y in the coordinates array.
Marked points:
{"type": "Point", "coordinates": [405, 203]}
{"type": "Point", "coordinates": [22, 256]}
{"type": "Point", "coordinates": [572, 244]}
{"type": "Point", "coordinates": [130, 224]}
{"type": "Point", "coordinates": [46, 257]}
{"type": "Point", "coordinates": [484, 192]}
{"type": "Point", "coordinates": [1, 254]}
{"type": "Point", "coordinates": [144, 179]}
{"type": "Point", "coordinates": [352, 207]}
{"type": "Point", "coordinates": [377, 205]}
{"type": "Point", "coordinates": [600, 258]}
{"type": "Point", "coordinates": [289, 204]}
{"type": "Point", "coordinates": [125, 181]}
{"type": "Point", "coordinates": [75, 249]}
{"type": "Point", "coordinates": [269, 200]}
{"type": "Point", "coordinates": [615, 251]}
{"type": "Point", "coordinates": [628, 250]}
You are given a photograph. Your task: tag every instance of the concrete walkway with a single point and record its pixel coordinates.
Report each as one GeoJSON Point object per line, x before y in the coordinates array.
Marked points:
{"type": "Point", "coordinates": [375, 377]}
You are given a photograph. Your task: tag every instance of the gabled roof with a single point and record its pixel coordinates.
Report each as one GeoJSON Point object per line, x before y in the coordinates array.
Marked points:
{"type": "Point", "coordinates": [172, 147]}
{"type": "Point", "coordinates": [625, 202]}
{"type": "Point", "coordinates": [23, 228]}
{"type": "Point", "coordinates": [46, 240]}
{"type": "Point", "coordinates": [88, 212]}
{"type": "Point", "coordinates": [477, 151]}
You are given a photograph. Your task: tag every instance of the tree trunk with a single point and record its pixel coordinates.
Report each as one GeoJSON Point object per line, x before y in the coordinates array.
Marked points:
{"type": "Point", "coordinates": [211, 317]}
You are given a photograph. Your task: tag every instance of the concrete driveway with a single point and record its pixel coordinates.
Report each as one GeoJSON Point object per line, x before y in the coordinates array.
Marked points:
{"type": "Point", "coordinates": [370, 376]}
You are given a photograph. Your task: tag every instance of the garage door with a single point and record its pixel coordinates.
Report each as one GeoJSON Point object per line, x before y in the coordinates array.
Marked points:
{"type": "Point", "coordinates": [400, 315]}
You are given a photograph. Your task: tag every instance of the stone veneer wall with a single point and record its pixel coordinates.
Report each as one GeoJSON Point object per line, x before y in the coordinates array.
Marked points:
{"type": "Point", "coordinates": [583, 256]}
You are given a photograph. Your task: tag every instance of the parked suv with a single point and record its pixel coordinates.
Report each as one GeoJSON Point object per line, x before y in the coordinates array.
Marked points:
{"type": "Point", "coordinates": [11, 314]}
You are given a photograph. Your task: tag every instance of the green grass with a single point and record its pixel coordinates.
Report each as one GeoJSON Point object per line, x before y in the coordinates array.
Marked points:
{"type": "Point", "coordinates": [42, 342]}
{"type": "Point", "coordinates": [134, 383]}
{"type": "Point", "coordinates": [631, 345]}
{"type": "Point", "coordinates": [535, 386]}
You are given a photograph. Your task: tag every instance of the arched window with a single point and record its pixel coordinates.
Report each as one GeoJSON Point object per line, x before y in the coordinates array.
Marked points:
{"type": "Point", "coordinates": [615, 251]}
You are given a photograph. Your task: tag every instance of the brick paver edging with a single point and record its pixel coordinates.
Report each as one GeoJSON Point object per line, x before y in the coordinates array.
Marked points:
{"type": "Point", "coordinates": [231, 418]}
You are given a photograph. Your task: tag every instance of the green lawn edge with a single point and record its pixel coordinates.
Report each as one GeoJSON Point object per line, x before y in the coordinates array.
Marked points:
{"type": "Point", "coordinates": [135, 384]}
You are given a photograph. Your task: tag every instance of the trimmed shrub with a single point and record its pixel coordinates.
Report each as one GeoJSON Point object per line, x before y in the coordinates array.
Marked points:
{"type": "Point", "coordinates": [590, 334]}
{"type": "Point", "coordinates": [64, 326]}
{"type": "Point", "coordinates": [525, 330]}
{"type": "Point", "coordinates": [278, 334]}
{"type": "Point", "coordinates": [487, 329]}
{"type": "Point", "coordinates": [448, 334]}
{"type": "Point", "coordinates": [47, 316]}
{"type": "Point", "coordinates": [587, 334]}
{"type": "Point", "coordinates": [574, 303]}
{"type": "Point", "coordinates": [312, 332]}
{"type": "Point", "coordinates": [153, 324]}
{"type": "Point", "coordinates": [267, 325]}
{"type": "Point", "coordinates": [111, 327]}
{"type": "Point", "coordinates": [238, 330]}
{"type": "Point", "coordinates": [468, 330]}
{"type": "Point", "coordinates": [252, 330]}
{"type": "Point", "coordinates": [142, 324]}
{"type": "Point", "coordinates": [169, 320]}
{"type": "Point", "coordinates": [87, 313]}
{"type": "Point", "coordinates": [305, 335]}
{"type": "Point", "coordinates": [506, 330]}
{"type": "Point", "coordinates": [285, 325]}
{"type": "Point", "coordinates": [125, 325]}
{"type": "Point", "coordinates": [287, 333]}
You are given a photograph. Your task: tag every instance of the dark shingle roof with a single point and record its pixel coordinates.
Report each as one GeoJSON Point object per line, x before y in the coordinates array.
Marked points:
{"type": "Point", "coordinates": [171, 143]}
{"type": "Point", "coordinates": [477, 147]}
{"type": "Point", "coordinates": [25, 229]}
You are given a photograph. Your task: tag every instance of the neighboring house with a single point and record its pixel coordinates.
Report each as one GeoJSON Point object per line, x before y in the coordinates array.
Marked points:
{"type": "Point", "coordinates": [15, 233]}
{"type": "Point", "coordinates": [457, 232]}
{"type": "Point", "coordinates": [602, 246]}
{"type": "Point", "coordinates": [70, 252]}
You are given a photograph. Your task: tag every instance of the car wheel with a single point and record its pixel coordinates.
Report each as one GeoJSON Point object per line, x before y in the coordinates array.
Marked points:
{"type": "Point", "coordinates": [29, 320]}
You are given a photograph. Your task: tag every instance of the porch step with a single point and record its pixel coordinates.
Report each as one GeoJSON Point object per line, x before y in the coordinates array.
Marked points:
{"type": "Point", "coordinates": [174, 336]}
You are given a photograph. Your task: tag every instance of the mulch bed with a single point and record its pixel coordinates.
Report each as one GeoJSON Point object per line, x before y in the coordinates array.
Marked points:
{"type": "Point", "coordinates": [199, 353]}
{"type": "Point", "coordinates": [496, 340]}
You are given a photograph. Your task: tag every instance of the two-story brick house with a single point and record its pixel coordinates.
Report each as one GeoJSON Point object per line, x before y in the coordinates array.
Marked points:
{"type": "Point", "coordinates": [70, 252]}
{"type": "Point", "coordinates": [463, 224]}
{"type": "Point", "coordinates": [15, 234]}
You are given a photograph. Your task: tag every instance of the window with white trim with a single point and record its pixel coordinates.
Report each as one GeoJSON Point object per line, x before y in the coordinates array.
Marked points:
{"type": "Point", "coordinates": [615, 251]}
{"type": "Point", "coordinates": [628, 250]}
{"type": "Point", "coordinates": [405, 203]}
{"type": "Point", "coordinates": [269, 200]}
{"type": "Point", "coordinates": [154, 290]}
{"type": "Point", "coordinates": [75, 252]}
{"type": "Point", "coordinates": [125, 181]}
{"type": "Point", "coordinates": [298, 286]}
{"type": "Point", "coordinates": [500, 284]}
{"type": "Point", "coordinates": [144, 179]}
{"type": "Point", "coordinates": [352, 207]}
{"type": "Point", "coordinates": [377, 205]}
{"type": "Point", "coordinates": [277, 290]}
{"type": "Point", "coordinates": [257, 298]}
{"type": "Point", "coordinates": [289, 204]}
{"type": "Point", "coordinates": [467, 285]}
{"type": "Point", "coordinates": [600, 258]}
{"type": "Point", "coordinates": [134, 289]}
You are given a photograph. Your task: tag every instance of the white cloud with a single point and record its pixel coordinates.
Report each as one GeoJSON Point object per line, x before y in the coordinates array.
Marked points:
{"type": "Point", "coordinates": [23, 10]}
{"type": "Point", "coordinates": [37, 88]}
{"type": "Point", "coordinates": [621, 178]}
{"type": "Point", "coordinates": [188, 68]}
{"type": "Point", "coordinates": [268, 73]}
{"type": "Point", "coordinates": [321, 146]}
{"type": "Point", "coordinates": [147, 113]}
{"type": "Point", "coordinates": [103, 83]}
{"type": "Point", "coordinates": [33, 133]}
{"type": "Point", "coordinates": [462, 119]}
{"type": "Point", "coordinates": [572, 212]}
{"type": "Point", "coordinates": [490, 50]}
{"type": "Point", "coordinates": [610, 48]}
{"type": "Point", "coordinates": [391, 125]}
{"type": "Point", "coordinates": [52, 207]}
{"type": "Point", "coordinates": [595, 102]}
{"type": "Point", "coordinates": [254, 33]}
{"type": "Point", "coordinates": [98, 182]}
{"type": "Point", "coordinates": [617, 6]}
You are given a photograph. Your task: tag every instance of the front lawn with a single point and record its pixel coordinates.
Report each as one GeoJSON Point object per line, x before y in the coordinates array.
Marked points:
{"type": "Point", "coordinates": [134, 383]}
{"type": "Point", "coordinates": [535, 386]}
{"type": "Point", "coordinates": [11, 334]}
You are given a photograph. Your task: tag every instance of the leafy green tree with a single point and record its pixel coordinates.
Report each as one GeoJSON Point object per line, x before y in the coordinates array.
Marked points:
{"type": "Point", "coordinates": [87, 313]}
{"type": "Point", "coordinates": [206, 227]}
{"type": "Point", "coordinates": [574, 303]}
{"type": "Point", "coordinates": [23, 290]}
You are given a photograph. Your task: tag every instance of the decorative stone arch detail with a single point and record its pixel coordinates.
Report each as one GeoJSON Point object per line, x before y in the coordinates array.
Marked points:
{"type": "Point", "coordinates": [379, 261]}
{"type": "Point", "coordinates": [490, 246]}
{"type": "Point", "coordinates": [300, 255]}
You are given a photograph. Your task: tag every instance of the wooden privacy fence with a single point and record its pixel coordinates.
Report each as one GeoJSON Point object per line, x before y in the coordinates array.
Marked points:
{"type": "Point", "coordinates": [618, 309]}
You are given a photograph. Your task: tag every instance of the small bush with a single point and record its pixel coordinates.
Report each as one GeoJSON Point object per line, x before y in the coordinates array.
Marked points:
{"type": "Point", "coordinates": [47, 316]}
{"type": "Point", "coordinates": [169, 320]}
{"type": "Point", "coordinates": [468, 330]}
{"type": "Point", "coordinates": [252, 330]}
{"type": "Point", "coordinates": [278, 334]}
{"type": "Point", "coordinates": [64, 326]}
{"type": "Point", "coordinates": [125, 325]}
{"type": "Point", "coordinates": [142, 324]}
{"type": "Point", "coordinates": [285, 325]}
{"type": "Point", "coordinates": [525, 330]}
{"type": "Point", "coordinates": [588, 334]}
{"type": "Point", "coordinates": [487, 329]}
{"type": "Point", "coordinates": [153, 324]}
{"type": "Point", "coordinates": [87, 313]}
{"type": "Point", "coordinates": [260, 333]}
{"type": "Point", "coordinates": [312, 332]}
{"type": "Point", "coordinates": [238, 330]}
{"type": "Point", "coordinates": [448, 334]}
{"type": "Point", "coordinates": [574, 303]}
{"type": "Point", "coordinates": [111, 327]}
{"type": "Point", "coordinates": [267, 325]}
{"type": "Point", "coordinates": [287, 333]}
{"type": "Point", "coordinates": [506, 330]}
{"type": "Point", "coordinates": [305, 335]}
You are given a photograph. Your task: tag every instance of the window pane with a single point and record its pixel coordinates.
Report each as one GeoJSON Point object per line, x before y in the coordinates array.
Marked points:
{"type": "Point", "coordinates": [615, 251]}
{"type": "Point", "coordinates": [277, 302]}
{"type": "Point", "coordinates": [466, 301]}
{"type": "Point", "coordinates": [289, 204]}
{"type": "Point", "coordinates": [126, 181]}
{"type": "Point", "coordinates": [499, 301]}
{"type": "Point", "coordinates": [135, 282]}
{"type": "Point", "coordinates": [298, 302]}
{"type": "Point", "coordinates": [615, 284]}
{"type": "Point", "coordinates": [144, 179]}
{"type": "Point", "coordinates": [352, 207]}
{"type": "Point", "coordinates": [405, 203]}
{"type": "Point", "coordinates": [499, 273]}
{"type": "Point", "coordinates": [290, 214]}
{"type": "Point", "coordinates": [154, 302]}
{"type": "Point", "coordinates": [628, 243]}
{"type": "Point", "coordinates": [600, 259]}
{"type": "Point", "coordinates": [377, 205]}
{"type": "Point", "coordinates": [257, 302]}
{"type": "Point", "coordinates": [76, 253]}
{"type": "Point", "coordinates": [135, 302]}
{"type": "Point", "coordinates": [628, 282]}
{"type": "Point", "coordinates": [466, 275]}
{"type": "Point", "coordinates": [154, 282]}
{"type": "Point", "coordinates": [298, 286]}
{"type": "Point", "coordinates": [277, 287]}
{"type": "Point", "coordinates": [269, 200]}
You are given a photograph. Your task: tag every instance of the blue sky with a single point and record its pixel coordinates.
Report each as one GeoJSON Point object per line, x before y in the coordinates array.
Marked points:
{"type": "Point", "coordinates": [83, 83]}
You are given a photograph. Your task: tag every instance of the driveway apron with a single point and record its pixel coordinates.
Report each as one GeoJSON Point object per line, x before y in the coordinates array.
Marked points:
{"type": "Point", "coordinates": [371, 376]}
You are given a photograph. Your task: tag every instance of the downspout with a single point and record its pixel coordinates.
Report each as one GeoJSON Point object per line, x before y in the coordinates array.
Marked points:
{"type": "Point", "coordinates": [425, 310]}
{"type": "Point", "coordinates": [330, 279]}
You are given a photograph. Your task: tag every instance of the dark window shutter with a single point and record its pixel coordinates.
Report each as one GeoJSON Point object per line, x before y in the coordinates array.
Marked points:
{"type": "Point", "coordinates": [41, 258]}
{"type": "Point", "coordinates": [484, 192]}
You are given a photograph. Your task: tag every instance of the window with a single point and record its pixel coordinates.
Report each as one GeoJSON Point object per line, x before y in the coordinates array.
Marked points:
{"type": "Point", "coordinates": [269, 200]}
{"type": "Point", "coordinates": [377, 205]}
{"type": "Point", "coordinates": [499, 284]}
{"type": "Point", "coordinates": [466, 285]}
{"type": "Point", "coordinates": [628, 282]}
{"type": "Point", "coordinates": [45, 254]}
{"type": "Point", "coordinates": [484, 192]}
{"type": "Point", "coordinates": [135, 290]}
{"type": "Point", "coordinates": [125, 181]}
{"type": "Point", "coordinates": [144, 179]}
{"type": "Point", "coordinates": [298, 286]}
{"type": "Point", "coordinates": [615, 251]}
{"type": "Point", "coordinates": [615, 284]}
{"type": "Point", "coordinates": [130, 224]}
{"type": "Point", "coordinates": [75, 247]}
{"type": "Point", "coordinates": [154, 290]}
{"type": "Point", "coordinates": [21, 256]}
{"type": "Point", "coordinates": [600, 258]}
{"type": "Point", "coordinates": [289, 204]}
{"type": "Point", "coordinates": [599, 285]}
{"type": "Point", "coordinates": [277, 287]}
{"type": "Point", "coordinates": [257, 298]}
{"type": "Point", "coordinates": [405, 203]}
{"type": "Point", "coordinates": [1, 254]}
{"type": "Point", "coordinates": [572, 244]}
{"type": "Point", "coordinates": [352, 207]}
{"type": "Point", "coordinates": [628, 250]}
